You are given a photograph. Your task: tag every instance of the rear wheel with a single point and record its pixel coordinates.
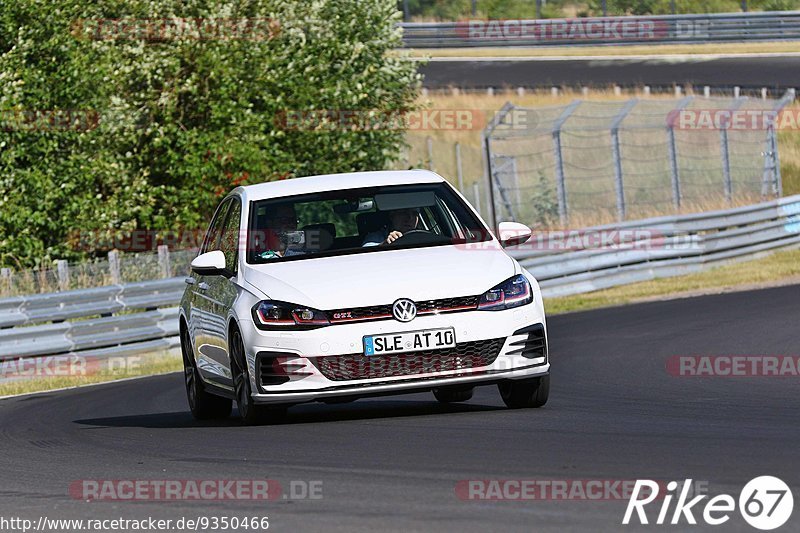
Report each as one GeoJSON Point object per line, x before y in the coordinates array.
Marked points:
{"type": "Point", "coordinates": [453, 394]}
{"type": "Point", "coordinates": [525, 392]}
{"type": "Point", "coordinates": [204, 406]}
{"type": "Point", "coordinates": [251, 413]}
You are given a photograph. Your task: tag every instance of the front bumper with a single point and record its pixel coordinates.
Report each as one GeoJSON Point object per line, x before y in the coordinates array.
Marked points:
{"type": "Point", "coordinates": [300, 354]}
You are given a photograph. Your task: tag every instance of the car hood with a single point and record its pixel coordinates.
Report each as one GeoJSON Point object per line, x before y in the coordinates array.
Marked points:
{"type": "Point", "coordinates": [381, 277]}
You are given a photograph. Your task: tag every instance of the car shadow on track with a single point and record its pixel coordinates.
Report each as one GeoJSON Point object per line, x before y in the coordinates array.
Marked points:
{"type": "Point", "coordinates": [301, 414]}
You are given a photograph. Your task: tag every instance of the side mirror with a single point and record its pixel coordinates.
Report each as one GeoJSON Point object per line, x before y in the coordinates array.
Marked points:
{"type": "Point", "coordinates": [210, 264]}
{"type": "Point", "coordinates": [512, 233]}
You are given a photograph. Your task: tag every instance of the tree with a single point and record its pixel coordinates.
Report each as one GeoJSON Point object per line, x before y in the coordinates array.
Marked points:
{"type": "Point", "coordinates": [190, 98]}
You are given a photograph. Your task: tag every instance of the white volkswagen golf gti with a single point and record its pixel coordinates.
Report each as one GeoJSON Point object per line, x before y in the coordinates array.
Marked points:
{"type": "Point", "coordinates": [332, 288]}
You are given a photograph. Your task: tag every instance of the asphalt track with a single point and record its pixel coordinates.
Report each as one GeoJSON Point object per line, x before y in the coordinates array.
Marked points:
{"type": "Point", "coordinates": [771, 71]}
{"type": "Point", "coordinates": [392, 463]}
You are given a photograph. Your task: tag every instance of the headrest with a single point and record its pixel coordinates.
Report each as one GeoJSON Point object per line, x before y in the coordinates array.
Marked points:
{"type": "Point", "coordinates": [369, 222]}
{"type": "Point", "coordinates": [319, 237]}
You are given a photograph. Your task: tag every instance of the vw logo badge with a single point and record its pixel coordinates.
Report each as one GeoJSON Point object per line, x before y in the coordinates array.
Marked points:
{"type": "Point", "coordinates": [404, 310]}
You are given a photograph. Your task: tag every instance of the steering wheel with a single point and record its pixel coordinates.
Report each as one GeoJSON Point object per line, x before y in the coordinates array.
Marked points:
{"type": "Point", "coordinates": [413, 236]}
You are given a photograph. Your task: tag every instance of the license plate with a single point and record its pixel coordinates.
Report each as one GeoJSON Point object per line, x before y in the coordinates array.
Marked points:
{"type": "Point", "coordinates": [410, 341]}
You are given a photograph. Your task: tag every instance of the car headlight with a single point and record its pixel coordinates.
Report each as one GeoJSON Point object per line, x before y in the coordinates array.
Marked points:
{"type": "Point", "coordinates": [513, 292]}
{"type": "Point", "coordinates": [283, 315]}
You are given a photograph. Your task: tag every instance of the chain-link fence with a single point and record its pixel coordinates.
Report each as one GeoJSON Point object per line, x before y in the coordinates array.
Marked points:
{"type": "Point", "coordinates": [115, 269]}
{"type": "Point", "coordinates": [589, 163]}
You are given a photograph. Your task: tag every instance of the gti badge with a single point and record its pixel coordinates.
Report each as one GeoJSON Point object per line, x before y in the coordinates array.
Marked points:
{"type": "Point", "coordinates": [404, 310]}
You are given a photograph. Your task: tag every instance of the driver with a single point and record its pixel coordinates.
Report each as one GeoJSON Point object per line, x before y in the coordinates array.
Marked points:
{"type": "Point", "coordinates": [400, 221]}
{"type": "Point", "coordinates": [281, 221]}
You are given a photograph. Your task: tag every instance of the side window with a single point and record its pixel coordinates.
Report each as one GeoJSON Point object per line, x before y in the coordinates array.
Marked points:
{"type": "Point", "coordinates": [230, 236]}
{"type": "Point", "coordinates": [211, 242]}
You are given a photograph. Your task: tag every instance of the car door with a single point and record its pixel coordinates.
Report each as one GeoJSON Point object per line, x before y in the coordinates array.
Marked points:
{"type": "Point", "coordinates": [218, 293]}
{"type": "Point", "coordinates": [202, 316]}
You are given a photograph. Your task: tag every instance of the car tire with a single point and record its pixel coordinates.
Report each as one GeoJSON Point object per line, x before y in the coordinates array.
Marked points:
{"type": "Point", "coordinates": [453, 394]}
{"type": "Point", "coordinates": [523, 393]}
{"type": "Point", "coordinates": [252, 414]}
{"type": "Point", "coordinates": [202, 404]}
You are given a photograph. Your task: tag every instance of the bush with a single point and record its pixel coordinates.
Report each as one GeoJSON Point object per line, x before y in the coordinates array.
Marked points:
{"type": "Point", "coordinates": [180, 121]}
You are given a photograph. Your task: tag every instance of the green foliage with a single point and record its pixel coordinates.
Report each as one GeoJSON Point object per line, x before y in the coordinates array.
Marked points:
{"type": "Point", "coordinates": [181, 120]}
{"type": "Point", "coordinates": [778, 5]}
{"type": "Point", "coordinates": [544, 203]}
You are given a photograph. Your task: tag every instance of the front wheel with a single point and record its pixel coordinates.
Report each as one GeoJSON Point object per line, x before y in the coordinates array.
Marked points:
{"type": "Point", "coordinates": [525, 392]}
{"type": "Point", "coordinates": [203, 405]}
{"type": "Point", "coordinates": [252, 414]}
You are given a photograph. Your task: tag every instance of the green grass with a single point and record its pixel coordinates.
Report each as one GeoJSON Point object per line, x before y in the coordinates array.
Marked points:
{"type": "Point", "coordinates": [150, 365]}
{"type": "Point", "coordinates": [779, 267]}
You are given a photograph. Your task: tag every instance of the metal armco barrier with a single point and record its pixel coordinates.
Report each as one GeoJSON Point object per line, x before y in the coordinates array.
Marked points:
{"type": "Point", "coordinates": [56, 306]}
{"type": "Point", "coordinates": [660, 247]}
{"type": "Point", "coordinates": [37, 325]}
{"type": "Point", "coordinates": [642, 250]}
{"type": "Point", "coordinates": [775, 25]}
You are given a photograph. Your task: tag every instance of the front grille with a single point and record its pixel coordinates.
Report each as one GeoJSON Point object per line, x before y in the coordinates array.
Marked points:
{"type": "Point", "coordinates": [382, 312]}
{"type": "Point", "coordinates": [444, 305]}
{"type": "Point", "coordinates": [464, 356]}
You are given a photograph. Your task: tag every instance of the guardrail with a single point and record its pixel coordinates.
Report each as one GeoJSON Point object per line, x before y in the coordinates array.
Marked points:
{"type": "Point", "coordinates": [119, 319]}
{"type": "Point", "coordinates": [143, 317]}
{"type": "Point", "coordinates": [660, 247]}
{"type": "Point", "coordinates": [761, 26]}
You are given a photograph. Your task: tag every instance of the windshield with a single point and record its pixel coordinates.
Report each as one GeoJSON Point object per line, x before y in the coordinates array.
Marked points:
{"type": "Point", "coordinates": [360, 221]}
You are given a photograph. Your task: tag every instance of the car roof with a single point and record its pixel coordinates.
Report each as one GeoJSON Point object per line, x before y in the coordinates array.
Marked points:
{"type": "Point", "coordinates": [332, 182]}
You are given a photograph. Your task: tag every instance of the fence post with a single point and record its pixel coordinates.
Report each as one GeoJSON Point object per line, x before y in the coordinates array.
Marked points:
{"type": "Point", "coordinates": [507, 165]}
{"type": "Point", "coordinates": [615, 153]}
{"type": "Point", "coordinates": [777, 184]}
{"type": "Point", "coordinates": [561, 185]}
{"type": "Point", "coordinates": [163, 261]}
{"type": "Point", "coordinates": [726, 163]}
{"type": "Point", "coordinates": [113, 267]}
{"type": "Point", "coordinates": [5, 277]}
{"type": "Point", "coordinates": [62, 267]}
{"type": "Point", "coordinates": [487, 158]}
{"type": "Point", "coordinates": [772, 161]}
{"type": "Point", "coordinates": [725, 152]}
{"type": "Point", "coordinates": [429, 145]}
{"type": "Point", "coordinates": [487, 148]}
{"type": "Point", "coordinates": [673, 152]}
{"type": "Point", "coordinates": [476, 196]}
{"type": "Point", "coordinates": [459, 169]}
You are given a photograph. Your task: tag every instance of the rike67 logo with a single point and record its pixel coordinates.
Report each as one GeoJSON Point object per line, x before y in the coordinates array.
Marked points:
{"type": "Point", "coordinates": [765, 503]}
